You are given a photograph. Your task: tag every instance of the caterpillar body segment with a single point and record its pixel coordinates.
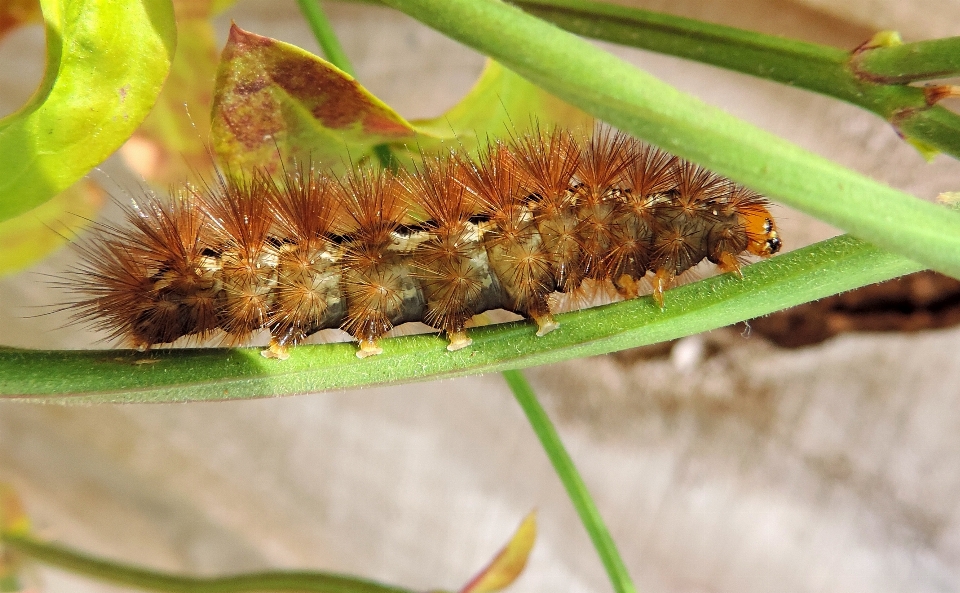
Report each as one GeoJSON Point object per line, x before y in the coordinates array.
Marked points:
{"type": "Point", "coordinates": [542, 213]}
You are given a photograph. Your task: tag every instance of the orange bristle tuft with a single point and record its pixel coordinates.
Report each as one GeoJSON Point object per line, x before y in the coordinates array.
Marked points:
{"type": "Point", "coordinates": [598, 198]}
{"type": "Point", "coordinates": [308, 293]}
{"type": "Point", "coordinates": [238, 209]}
{"type": "Point", "coordinates": [151, 283]}
{"type": "Point", "coordinates": [452, 264]}
{"type": "Point", "coordinates": [548, 162]}
{"type": "Point", "coordinates": [521, 262]}
{"type": "Point", "coordinates": [377, 279]}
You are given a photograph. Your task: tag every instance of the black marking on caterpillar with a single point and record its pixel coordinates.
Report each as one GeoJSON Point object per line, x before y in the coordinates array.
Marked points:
{"type": "Point", "coordinates": [455, 237]}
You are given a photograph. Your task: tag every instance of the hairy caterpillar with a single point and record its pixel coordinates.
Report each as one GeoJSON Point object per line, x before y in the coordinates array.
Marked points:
{"type": "Point", "coordinates": [454, 237]}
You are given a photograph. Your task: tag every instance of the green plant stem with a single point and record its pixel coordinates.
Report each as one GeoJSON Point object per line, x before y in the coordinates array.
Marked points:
{"type": "Point", "coordinates": [141, 578]}
{"type": "Point", "coordinates": [634, 101]}
{"type": "Point", "coordinates": [173, 375]}
{"type": "Point", "coordinates": [576, 489]}
{"type": "Point", "coordinates": [333, 50]}
{"type": "Point", "coordinates": [923, 60]}
{"type": "Point", "coordinates": [325, 35]}
{"type": "Point", "coordinates": [819, 68]}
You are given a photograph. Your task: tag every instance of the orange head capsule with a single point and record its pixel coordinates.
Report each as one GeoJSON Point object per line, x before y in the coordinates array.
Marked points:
{"type": "Point", "coordinates": [761, 231]}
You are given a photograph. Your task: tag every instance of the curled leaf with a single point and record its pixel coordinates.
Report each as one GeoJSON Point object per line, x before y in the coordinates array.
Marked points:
{"type": "Point", "coordinates": [106, 63]}
{"type": "Point", "coordinates": [273, 98]}
{"type": "Point", "coordinates": [507, 565]}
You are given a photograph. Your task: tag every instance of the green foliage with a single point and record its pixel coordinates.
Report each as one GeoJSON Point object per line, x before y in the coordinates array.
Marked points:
{"type": "Point", "coordinates": [30, 237]}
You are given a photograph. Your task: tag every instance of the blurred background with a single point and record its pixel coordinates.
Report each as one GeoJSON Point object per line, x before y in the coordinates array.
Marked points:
{"type": "Point", "coordinates": [722, 462]}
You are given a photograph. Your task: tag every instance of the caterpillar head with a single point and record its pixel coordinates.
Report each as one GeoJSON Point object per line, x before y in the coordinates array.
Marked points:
{"type": "Point", "coordinates": [761, 232]}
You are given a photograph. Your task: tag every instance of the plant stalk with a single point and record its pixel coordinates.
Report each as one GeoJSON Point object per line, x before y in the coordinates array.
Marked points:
{"type": "Point", "coordinates": [572, 481]}
{"type": "Point", "coordinates": [860, 78]}
{"type": "Point", "coordinates": [910, 62]}
{"type": "Point", "coordinates": [133, 576]}
{"type": "Point", "coordinates": [174, 375]}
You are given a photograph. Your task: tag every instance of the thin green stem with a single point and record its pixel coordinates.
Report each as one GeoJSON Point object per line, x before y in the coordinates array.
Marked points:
{"type": "Point", "coordinates": [333, 50]}
{"type": "Point", "coordinates": [142, 578]}
{"type": "Point", "coordinates": [923, 60]}
{"type": "Point", "coordinates": [576, 489]}
{"type": "Point", "coordinates": [323, 31]}
{"type": "Point", "coordinates": [856, 78]}
{"type": "Point", "coordinates": [808, 65]}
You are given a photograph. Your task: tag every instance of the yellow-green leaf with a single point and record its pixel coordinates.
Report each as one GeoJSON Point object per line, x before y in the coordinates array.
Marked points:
{"type": "Point", "coordinates": [13, 517]}
{"type": "Point", "coordinates": [13, 521]}
{"type": "Point", "coordinates": [507, 565]}
{"type": "Point", "coordinates": [106, 63]}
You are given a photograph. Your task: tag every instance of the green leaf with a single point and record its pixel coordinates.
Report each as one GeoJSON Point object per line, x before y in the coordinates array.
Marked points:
{"type": "Point", "coordinates": [271, 95]}
{"type": "Point", "coordinates": [33, 235]}
{"type": "Point", "coordinates": [800, 276]}
{"type": "Point", "coordinates": [106, 63]}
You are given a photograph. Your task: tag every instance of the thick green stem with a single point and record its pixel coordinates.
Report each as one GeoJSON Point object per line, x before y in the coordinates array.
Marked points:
{"type": "Point", "coordinates": [816, 67]}
{"type": "Point", "coordinates": [923, 60]}
{"type": "Point", "coordinates": [856, 78]}
{"type": "Point", "coordinates": [142, 578]}
{"type": "Point", "coordinates": [576, 489]}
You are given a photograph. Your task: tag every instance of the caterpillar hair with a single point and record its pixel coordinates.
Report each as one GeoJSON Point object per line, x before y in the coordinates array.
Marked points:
{"type": "Point", "coordinates": [453, 237]}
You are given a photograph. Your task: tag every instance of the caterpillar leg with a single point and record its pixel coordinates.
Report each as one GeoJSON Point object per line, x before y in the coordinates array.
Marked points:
{"type": "Point", "coordinates": [545, 324]}
{"type": "Point", "coordinates": [729, 264]}
{"type": "Point", "coordinates": [662, 281]}
{"type": "Point", "coordinates": [369, 347]}
{"type": "Point", "coordinates": [458, 340]}
{"type": "Point", "coordinates": [276, 350]}
{"type": "Point", "coordinates": [627, 286]}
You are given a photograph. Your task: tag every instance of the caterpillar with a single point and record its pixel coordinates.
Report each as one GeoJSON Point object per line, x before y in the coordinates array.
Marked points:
{"type": "Point", "coordinates": [454, 236]}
